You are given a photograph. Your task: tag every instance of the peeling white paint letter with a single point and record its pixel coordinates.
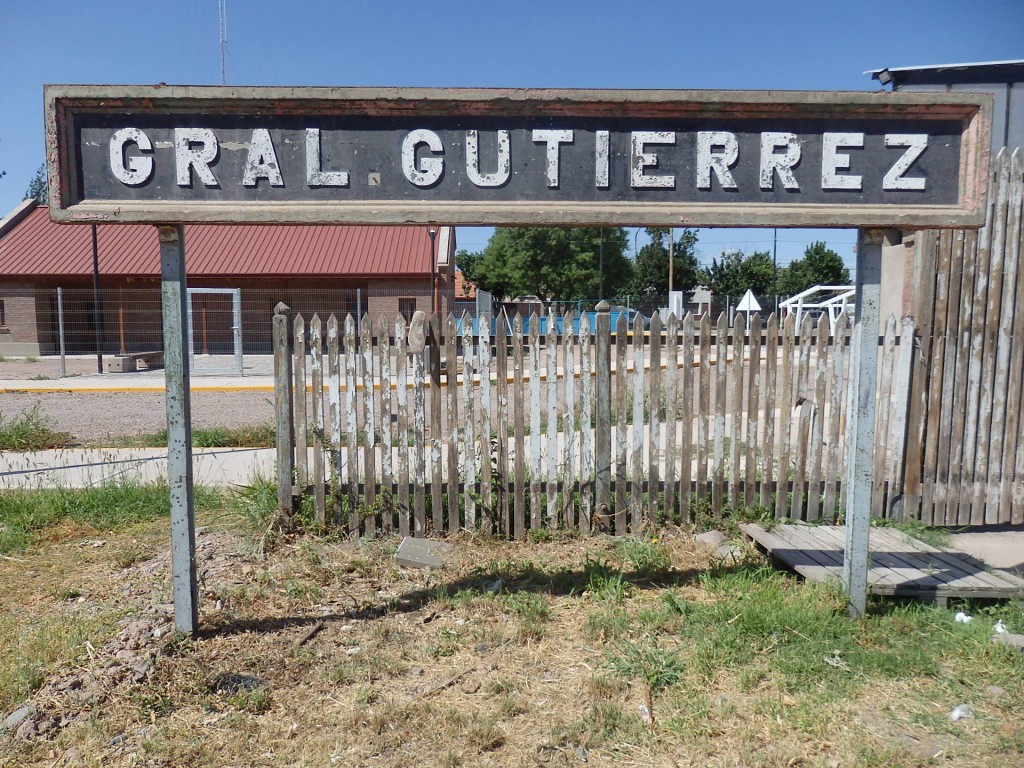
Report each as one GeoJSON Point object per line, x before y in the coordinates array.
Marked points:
{"type": "Point", "coordinates": [916, 144]}
{"type": "Point", "coordinates": [554, 139]}
{"type": "Point", "coordinates": [498, 178]}
{"type": "Point", "coordinates": [195, 149]}
{"type": "Point", "coordinates": [772, 163]}
{"type": "Point", "coordinates": [136, 169]}
{"type": "Point", "coordinates": [315, 175]}
{"type": "Point", "coordinates": [602, 158]}
{"type": "Point", "coordinates": [832, 161]}
{"type": "Point", "coordinates": [429, 170]}
{"type": "Point", "coordinates": [262, 161]}
{"type": "Point", "coordinates": [642, 160]}
{"type": "Point", "coordinates": [720, 162]}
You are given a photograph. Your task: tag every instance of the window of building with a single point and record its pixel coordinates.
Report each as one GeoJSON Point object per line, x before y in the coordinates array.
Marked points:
{"type": "Point", "coordinates": [3, 315]}
{"type": "Point", "coordinates": [406, 308]}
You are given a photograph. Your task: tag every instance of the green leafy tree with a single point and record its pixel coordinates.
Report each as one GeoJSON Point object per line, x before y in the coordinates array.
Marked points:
{"type": "Point", "coordinates": [550, 263]}
{"type": "Point", "coordinates": [819, 266]}
{"type": "Point", "coordinates": [735, 273]}
{"type": "Point", "coordinates": [37, 187]}
{"type": "Point", "coordinates": [650, 276]}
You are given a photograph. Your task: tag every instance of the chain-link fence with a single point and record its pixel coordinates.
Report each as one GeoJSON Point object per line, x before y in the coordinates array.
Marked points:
{"type": "Point", "coordinates": [69, 331]}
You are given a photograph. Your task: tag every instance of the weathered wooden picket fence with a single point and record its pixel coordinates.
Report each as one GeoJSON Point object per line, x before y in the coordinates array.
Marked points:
{"type": "Point", "coordinates": [968, 382]}
{"type": "Point", "coordinates": [438, 426]}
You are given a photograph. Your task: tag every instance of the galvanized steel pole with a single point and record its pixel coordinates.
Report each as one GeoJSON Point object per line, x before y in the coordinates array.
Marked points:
{"type": "Point", "coordinates": [174, 293]}
{"type": "Point", "coordinates": [861, 426]}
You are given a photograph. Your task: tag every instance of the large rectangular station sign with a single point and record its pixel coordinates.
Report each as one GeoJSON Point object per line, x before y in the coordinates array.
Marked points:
{"type": "Point", "coordinates": [170, 154]}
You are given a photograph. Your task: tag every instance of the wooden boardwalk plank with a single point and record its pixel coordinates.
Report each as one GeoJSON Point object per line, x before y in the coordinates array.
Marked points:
{"type": "Point", "coordinates": [900, 565]}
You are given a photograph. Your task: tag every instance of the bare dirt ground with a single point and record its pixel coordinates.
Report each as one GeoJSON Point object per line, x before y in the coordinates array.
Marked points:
{"type": "Point", "coordinates": [94, 417]}
{"type": "Point", "coordinates": [329, 654]}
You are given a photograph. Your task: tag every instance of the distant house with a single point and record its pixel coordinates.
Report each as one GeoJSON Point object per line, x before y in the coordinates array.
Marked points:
{"type": "Point", "coordinates": [371, 270]}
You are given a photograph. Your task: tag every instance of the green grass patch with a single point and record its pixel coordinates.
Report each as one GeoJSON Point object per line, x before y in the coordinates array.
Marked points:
{"type": "Point", "coordinates": [30, 431]}
{"type": "Point", "coordinates": [254, 436]}
{"type": "Point", "coordinates": [26, 514]}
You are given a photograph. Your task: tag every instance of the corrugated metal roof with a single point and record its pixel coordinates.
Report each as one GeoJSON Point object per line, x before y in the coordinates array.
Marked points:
{"type": "Point", "coordinates": [37, 247]}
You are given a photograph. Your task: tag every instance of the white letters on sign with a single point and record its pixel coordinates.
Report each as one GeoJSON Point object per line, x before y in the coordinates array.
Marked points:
{"type": "Point", "coordinates": [132, 171]}
{"type": "Point", "coordinates": [709, 160]}
{"type": "Point", "coordinates": [497, 178]}
{"type": "Point", "coordinates": [832, 161]}
{"type": "Point", "coordinates": [428, 170]}
{"type": "Point", "coordinates": [916, 144]}
{"type": "Point", "coordinates": [262, 161]}
{"type": "Point", "coordinates": [772, 163]}
{"type": "Point", "coordinates": [195, 149]}
{"type": "Point", "coordinates": [553, 139]}
{"type": "Point", "coordinates": [315, 175]}
{"type": "Point", "coordinates": [642, 159]}
{"type": "Point", "coordinates": [714, 158]}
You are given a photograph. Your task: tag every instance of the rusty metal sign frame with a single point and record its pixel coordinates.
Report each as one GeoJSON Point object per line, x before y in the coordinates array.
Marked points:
{"type": "Point", "coordinates": [67, 103]}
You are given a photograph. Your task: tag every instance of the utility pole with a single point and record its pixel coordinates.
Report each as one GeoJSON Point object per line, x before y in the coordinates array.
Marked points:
{"type": "Point", "coordinates": [223, 42]}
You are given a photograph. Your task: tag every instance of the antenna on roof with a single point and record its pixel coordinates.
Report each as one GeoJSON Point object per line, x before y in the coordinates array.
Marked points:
{"type": "Point", "coordinates": [223, 7]}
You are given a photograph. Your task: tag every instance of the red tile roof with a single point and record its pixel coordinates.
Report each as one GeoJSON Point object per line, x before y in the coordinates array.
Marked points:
{"type": "Point", "coordinates": [37, 247]}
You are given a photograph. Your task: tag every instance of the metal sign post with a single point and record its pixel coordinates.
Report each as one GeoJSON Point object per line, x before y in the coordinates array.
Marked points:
{"type": "Point", "coordinates": [861, 426]}
{"type": "Point", "coordinates": [174, 294]}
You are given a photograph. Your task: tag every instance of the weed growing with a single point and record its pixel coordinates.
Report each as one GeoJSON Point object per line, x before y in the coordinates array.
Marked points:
{"type": "Point", "coordinates": [26, 514]}
{"type": "Point", "coordinates": [30, 430]}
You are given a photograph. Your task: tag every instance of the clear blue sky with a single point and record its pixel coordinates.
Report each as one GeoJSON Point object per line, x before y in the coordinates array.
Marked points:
{"type": "Point", "coordinates": [719, 44]}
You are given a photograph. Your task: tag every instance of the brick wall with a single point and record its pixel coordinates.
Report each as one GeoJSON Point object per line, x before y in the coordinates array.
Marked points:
{"type": "Point", "coordinates": [19, 334]}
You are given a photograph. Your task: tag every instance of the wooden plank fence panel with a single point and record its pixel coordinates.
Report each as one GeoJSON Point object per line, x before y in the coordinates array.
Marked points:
{"type": "Point", "coordinates": [536, 511]}
{"type": "Point", "coordinates": [734, 418]}
{"type": "Point", "coordinates": [586, 423]}
{"type": "Point", "coordinates": [785, 416]}
{"type": "Point", "coordinates": [453, 420]}
{"type": "Point", "coordinates": [300, 419]}
{"type": "Point", "coordinates": [484, 366]}
{"type": "Point", "coordinates": [898, 434]}
{"type": "Point", "coordinates": [319, 479]}
{"type": "Point", "coordinates": [417, 346]}
{"type": "Point", "coordinates": [469, 420]}
{"type": "Point", "coordinates": [519, 428]}
{"type": "Point", "coordinates": [551, 427]}
{"type": "Point", "coordinates": [405, 525]}
{"type": "Point", "coordinates": [671, 506]}
{"type": "Point", "coordinates": [334, 407]}
{"type": "Point", "coordinates": [351, 424]}
{"type": "Point", "coordinates": [570, 421]}
{"type": "Point", "coordinates": [386, 424]}
{"type": "Point", "coordinates": [836, 401]}
{"type": "Point", "coordinates": [704, 416]}
{"type": "Point", "coordinates": [637, 444]}
{"type": "Point", "coordinates": [752, 410]}
{"type": "Point", "coordinates": [1010, 503]}
{"type": "Point", "coordinates": [951, 384]}
{"type": "Point", "coordinates": [369, 428]}
{"type": "Point", "coordinates": [883, 411]}
{"type": "Point", "coordinates": [688, 413]}
{"type": "Point", "coordinates": [434, 457]}
{"type": "Point", "coordinates": [654, 398]}
{"type": "Point", "coordinates": [502, 415]}
{"type": "Point", "coordinates": [993, 395]}
{"type": "Point", "coordinates": [721, 409]}
{"type": "Point", "coordinates": [771, 363]}
{"type": "Point", "coordinates": [621, 407]}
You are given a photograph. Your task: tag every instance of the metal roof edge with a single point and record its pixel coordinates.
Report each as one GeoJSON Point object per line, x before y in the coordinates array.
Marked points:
{"type": "Point", "coordinates": [12, 219]}
{"type": "Point", "coordinates": [933, 67]}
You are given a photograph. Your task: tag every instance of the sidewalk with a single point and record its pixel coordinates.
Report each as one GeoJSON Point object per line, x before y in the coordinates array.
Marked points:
{"type": "Point", "coordinates": [84, 468]}
{"type": "Point", "coordinates": [143, 381]}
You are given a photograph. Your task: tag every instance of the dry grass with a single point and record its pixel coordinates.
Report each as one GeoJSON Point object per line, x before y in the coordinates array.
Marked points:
{"type": "Point", "coordinates": [518, 655]}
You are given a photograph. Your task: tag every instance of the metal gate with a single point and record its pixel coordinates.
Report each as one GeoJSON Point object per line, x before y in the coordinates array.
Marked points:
{"type": "Point", "coordinates": [215, 325]}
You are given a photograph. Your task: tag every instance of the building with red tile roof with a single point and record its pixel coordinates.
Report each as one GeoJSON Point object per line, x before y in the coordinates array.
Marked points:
{"type": "Point", "coordinates": [371, 270]}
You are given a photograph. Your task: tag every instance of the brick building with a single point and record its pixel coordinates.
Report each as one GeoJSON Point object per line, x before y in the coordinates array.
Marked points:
{"type": "Point", "coordinates": [236, 276]}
